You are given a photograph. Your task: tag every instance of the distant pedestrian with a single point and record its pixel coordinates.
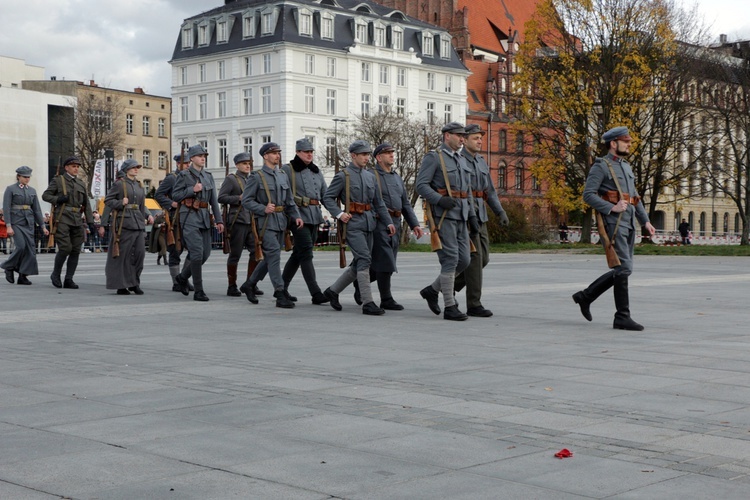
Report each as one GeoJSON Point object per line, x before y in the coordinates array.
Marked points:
{"type": "Point", "coordinates": [563, 232]}
{"type": "Point", "coordinates": [684, 229]}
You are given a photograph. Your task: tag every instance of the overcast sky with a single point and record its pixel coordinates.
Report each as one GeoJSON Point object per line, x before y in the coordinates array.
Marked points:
{"type": "Point", "coordinates": [125, 44]}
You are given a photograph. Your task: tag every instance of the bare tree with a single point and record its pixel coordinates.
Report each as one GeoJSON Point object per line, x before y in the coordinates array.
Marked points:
{"type": "Point", "coordinates": [97, 124]}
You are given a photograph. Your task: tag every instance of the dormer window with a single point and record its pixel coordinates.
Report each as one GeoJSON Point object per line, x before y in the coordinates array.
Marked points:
{"type": "Point", "coordinates": [222, 32]}
{"type": "Point", "coordinates": [326, 27]}
{"type": "Point", "coordinates": [248, 26]}
{"type": "Point", "coordinates": [267, 23]}
{"type": "Point", "coordinates": [361, 32]}
{"type": "Point", "coordinates": [397, 38]}
{"type": "Point", "coordinates": [305, 24]}
{"type": "Point", "coordinates": [187, 37]}
{"type": "Point", "coordinates": [427, 44]}
{"type": "Point", "coordinates": [379, 36]}
{"type": "Point", "coordinates": [203, 34]}
{"type": "Point", "coordinates": [445, 46]}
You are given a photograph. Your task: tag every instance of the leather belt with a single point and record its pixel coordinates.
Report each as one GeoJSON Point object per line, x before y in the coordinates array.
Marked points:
{"type": "Point", "coordinates": [303, 201]}
{"type": "Point", "coordinates": [73, 209]}
{"type": "Point", "coordinates": [278, 208]}
{"type": "Point", "coordinates": [394, 213]}
{"type": "Point", "coordinates": [613, 197]}
{"type": "Point", "coordinates": [314, 202]}
{"type": "Point", "coordinates": [194, 204]}
{"type": "Point", "coordinates": [359, 208]}
{"type": "Point", "coordinates": [133, 206]}
{"type": "Point", "coordinates": [456, 194]}
{"type": "Point", "coordinates": [480, 194]}
{"type": "Point", "coordinates": [21, 207]}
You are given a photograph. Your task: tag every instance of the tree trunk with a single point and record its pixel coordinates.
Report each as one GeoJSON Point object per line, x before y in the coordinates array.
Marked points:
{"type": "Point", "coordinates": [586, 225]}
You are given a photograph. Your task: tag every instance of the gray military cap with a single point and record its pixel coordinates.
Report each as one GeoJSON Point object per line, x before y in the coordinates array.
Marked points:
{"type": "Point", "coordinates": [383, 148]}
{"type": "Point", "coordinates": [196, 150]}
{"type": "Point", "coordinates": [240, 157]}
{"type": "Point", "coordinates": [616, 133]}
{"type": "Point", "coordinates": [128, 164]}
{"type": "Point", "coordinates": [72, 160]}
{"type": "Point", "coordinates": [453, 128]}
{"type": "Point", "coordinates": [269, 147]}
{"type": "Point", "coordinates": [304, 145]}
{"type": "Point", "coordinates": [24, 171]}
{"type": "Point", "coordinates": [360, 146]}
{"type": "Point", "coordinates": [473, 128]}
{"type": "Point", "coordinates": [181, 159]}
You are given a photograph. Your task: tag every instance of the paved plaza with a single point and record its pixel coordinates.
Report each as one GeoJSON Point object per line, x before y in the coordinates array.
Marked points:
{"type": "Point", "coordinates": [161, 397]}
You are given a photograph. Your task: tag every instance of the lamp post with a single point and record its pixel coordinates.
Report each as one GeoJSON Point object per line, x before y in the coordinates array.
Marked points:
{"type": "Point", "coordinates": [336, 143]}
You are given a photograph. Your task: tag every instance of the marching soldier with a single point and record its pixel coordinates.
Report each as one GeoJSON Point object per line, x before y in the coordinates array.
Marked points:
{"type": "Point", "coordinates": [127, 242]}
{"type": "Point", "coordinates": [163, 196]}
{"type": "Point", "coordinates": [70, 198]}
{"type": "Point", "coordinates": [268, 195]}
{"type": "Point", "coordinates": [483, 191]}
{"type": "Point", "coordinates": [238, 222]}
{"type": "Point", "coordinates": [21, 210]}
{"type": "Point", "coordinates": [385, 247]}
{"type": "Point", "coordinates": [308, 186]}
{"type": "Point", "coordinates": [356, 188]}
{"type": "Point", "coordinates": [195, 190]}
{"type": "Point", "coordinates": [610, 190]}
{"type": "Point", "coordinates": [444, 181]}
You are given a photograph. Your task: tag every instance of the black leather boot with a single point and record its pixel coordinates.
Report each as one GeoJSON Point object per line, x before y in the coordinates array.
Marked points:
{"type": "Point", "coordinates": [333, 299]}
{"type": "Point", "coordinates": [282, 300]}
{"type": "Point", "coordinates": [584, 298]}
{"type": "Point", "coordinates": [248, 289]}
{"type": "Point", "coordinates": [431, 296]}
{"type": "Point", "coordinates": [623, 321]}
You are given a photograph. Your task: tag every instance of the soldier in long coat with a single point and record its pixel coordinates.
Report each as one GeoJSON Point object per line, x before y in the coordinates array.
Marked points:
{"type": "Point", "coordinates": [238, 222]}
{"type": "Point", "coordinates": [70, 198]}
{"type": "Point", "coordinates": [21, 210]}
{"type": "Point", "coordinates": [452, 210]}
{"type": "Point", "coordinates": [308, 187]}
{"type": "Point", "coordinates": [610, 190]}
{"type": "Point", "coordinates": [356, 188]}
{"type": "Point", "coordinates": [127, 236]}
{"type": "Point", "coordinates": [195, 190]}
{"type": "Point", "coordinates": [385, 247]}
{"type": "Point", "coordinates": [268, 196]}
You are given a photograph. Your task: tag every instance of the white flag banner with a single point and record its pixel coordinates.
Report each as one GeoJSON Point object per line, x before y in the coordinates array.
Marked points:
{"type": "Point", "coordinates": [98, 187]}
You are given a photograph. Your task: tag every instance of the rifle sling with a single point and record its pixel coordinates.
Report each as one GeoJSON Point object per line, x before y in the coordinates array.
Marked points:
{"type": "Point", "coordinates": [270, 200]}
{"type": "Point", "coordinates": [236, 216]}
{"type": "Point", "coordinates": [122, 216]}
{"type": "Point", "coordinates": [447, 186]}
{"type": "Point", "coordinates": [619, 190]}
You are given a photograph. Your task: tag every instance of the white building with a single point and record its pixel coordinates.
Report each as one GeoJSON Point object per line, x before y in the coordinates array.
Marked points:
{"type": "Point", "coordinates": [254, 71]}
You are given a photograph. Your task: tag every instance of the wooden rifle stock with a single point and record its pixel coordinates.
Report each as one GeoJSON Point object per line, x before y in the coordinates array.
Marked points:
{"type": "Point", "coordinates": [609, 246]}
{"type": "Point", "coordinates": [435, 243]}
{"type": "Point", "coordinates": [288, 241]}
{"type": "Point", "coordinates": [52, 221]}
{"type": "Point", "coordinates": [256, 240]}
{"type": "Point", "coordinates": [168, 224]}
{"type": "Point", "coordinates": [341, 230]}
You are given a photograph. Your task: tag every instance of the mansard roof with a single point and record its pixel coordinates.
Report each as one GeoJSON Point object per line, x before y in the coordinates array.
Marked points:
{"type": "Point", "coordinates": [345, 13]}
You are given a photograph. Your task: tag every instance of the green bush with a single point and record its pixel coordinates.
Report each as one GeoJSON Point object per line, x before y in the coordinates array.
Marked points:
{"type": "Point", "coordinates": [519, 230]}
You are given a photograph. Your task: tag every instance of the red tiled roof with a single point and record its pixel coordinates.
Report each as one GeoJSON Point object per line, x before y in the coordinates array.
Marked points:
{"type": "Point", "coordinates": [489, 17]}
{"type": "Point", "coordinates": [478, 83]}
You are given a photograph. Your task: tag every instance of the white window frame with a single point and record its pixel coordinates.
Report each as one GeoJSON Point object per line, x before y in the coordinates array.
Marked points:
{"type": "Point", "coordinates": [384, 104]}
{"type": "Point", "coordinates": [146, 158]}
{"type": "Point", "coordinates": [379, 35]}
{"type": "Point", "coordinates": [162, 160]}
{"type": "Point", "coordinates": [187, 37]}
{"type": "Point", "coordinates": [360, 32]}
{"type": "Point", "coordinates": [310, 100]}
{"type": "Point", "coordinates": [448, 84]}
{"type": "Point", "coordinates": [203, 35]}
{"type": "Point", "coordinates": [247, 101]}
{"type": "Point", "coordinates": [162, 127]}
{"type": "Point", "coordinates": [326, 27]}
{"type": "Point", "coordinates": [247, 144]}
{"type": "Point", "coordinates": [400, 106]}
{"type": "Point", "coordinates": [248, 65]}
{"type": "Point", "coordinates": [184, 109]}
{"type": "Point", "coordinates": [397, 38]}
{"type": "Point", "coordinates": [266, 99]}
{"type": "Point", "coordinates": [221, 104]}
{"type": "Point", "coordinates": [248, 26]}
{"type": "Point", "coordinates": [366, 72]}
{"type": "Point", "coordinates": [221, 70]}
{"type": "Point", "coordinates": [267, 64]}
{"type": "Point", "coordinates": [305, 24]}
{"type": "Point", "coordinates": [222, 32]}
{"type": "Point", "coordinates": [309, 64]}
{"type": "Point", "coordinates": [401, 77]}
{"type": "Point", "coordinates": [129, 118]}
{"type": "Point", "coordinates": [366, 100]}
{"type": "Point", "coordinates": [428, 44]}
{"type": "Point", "coordinates": [385, 72]}
{"type": "Point", "coordinates": [331, 102]}
{"type": "Point", "coordinates": [183, 75]}
{"type": "Point", "coordinates": [202, 73]}
{"type": "Point", "coordinates": [445, 46]}
{"type": "Point", "coordinates": [221, 150]}
{"type": "Point", "coordinates": [431, 113]}
{"type": "Point", "coordinates": [331, 67]}
{"type": "Point", "coordinates": [203, 107]}
{"type": "Point", "coordinates": [129, 153]}
{"type": "Point", "coordinates": [146, 126]}
{"type": "Point", "coordinates": [431, 80]}
{"type": "Point", "coordinates": [448, 113]}
{"type": "Point", "coordinates": [267, 24]}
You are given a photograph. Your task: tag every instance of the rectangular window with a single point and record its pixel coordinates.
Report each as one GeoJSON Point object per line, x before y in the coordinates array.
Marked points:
{"type": "Point", "coordinates": [448, 116]}
{"type": "Point", "coordinates": [204, 144]}
{"type": "Point", "coordinates": [445, 47]}
{"type": "Point", "coordinates": [162, 127]}
{"type": "Point", "coordinates": [401, 77]}
{"type": "Point", "coordinates": [309, 64]}
{"type": "Point", "coordinates": [247, 102]}
{"type": "Point", "coordinates": [201, 73]}
{"type": "Point", "coordinates": [385, 72]}
{"type": "Point", "coordinates": [383, 104]}
{"type": "Point", "coordinates": [202, 107]}
{"type": "Point", "coordinates": [400, 106]}
{"type": "Point", "coordinates": [398, 39]}
{"type": "Point", "coordinates": [146, 158]}
{"type": "Point", "coordinates": [183, 109]}
{"type": "Point", "coordinates": [502, 143]}
{"type": "Point", "coordinates": [248, 65]}
{"type": "Point", "coordinates": [221, 147]}
{"type": "Point", "coordinates": [221, 32]}
{"type": "Point", "coordinates": [128, 123]}
{"type": "Point", "coordinates": [146, 126]}
{"type": "Point", "coordinates": [129, 153]}
{"type": "Point", "coordinates": [247, 145]}
{"type": "Point", "coordinates": [266, 63]}
{"type": "Point", "coordinates": [202, 35]}
{"type": "Point", "coordinates": [221, 69]}
{"type": "Point", "coordinates": [221, 102]}
{"type": "Point", "coordinates": [427, 44]}
{"type": "Point", "coordinates": [305, 24]}
{"type": "Point", "coordinates": [162, 160]}
{"type": "Point", "coordinates": [362, 33]}
{"type": "Point", "coordinates": [265, 94]}
{"type": "Point", "coordinates": [147, 185]}
{"type": "Point", "coordinates": [248, 27]}
{"type": "Point", "coordinates": [331, 102]}
{"type": "Point", "coordinates": [380, 36]}
{"type": "Point", "coordinates": [448, 84]}
{"type": "Point", "coordinates": [267, 23]}
{"type": "Point", "coordinates": [366, 72]}
{"type": "Point", "coordinates": [430, 81]}
{"type": "Point", "coordinates": [330, 150]}
{"type": "Point", "coordinates": [431, 113]}
{"type": "Point", "coordinates": [265, 138]}
{"type": "Point", "coordinates": [331, 67]}
{"type": "Point", "coordinates": [183, 75]}
{"type": "Point", "coordinates": [326, 28]}
{"type": "Point", "coordinates": [365, 105]}
{"type": "Point", "coordinates": [309, 99]}
{"type": "Point", "coordinates": [187, 38]}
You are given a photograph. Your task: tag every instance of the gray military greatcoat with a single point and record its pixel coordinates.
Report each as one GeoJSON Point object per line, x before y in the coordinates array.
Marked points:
{"type": "Point", "coordinates": [22, 211]}
{"type": "Point", "coordinates": [195, 223]}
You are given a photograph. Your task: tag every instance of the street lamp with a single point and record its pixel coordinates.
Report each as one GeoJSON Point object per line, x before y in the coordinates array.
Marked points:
{"type": "Point", "coordinates": [336, 143]}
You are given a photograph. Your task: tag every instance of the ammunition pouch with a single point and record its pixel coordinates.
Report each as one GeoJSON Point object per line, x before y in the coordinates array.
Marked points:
{"type": "Point", "coordinates": [359, 208]}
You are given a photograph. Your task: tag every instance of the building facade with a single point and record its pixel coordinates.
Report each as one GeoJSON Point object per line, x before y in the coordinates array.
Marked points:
{"type": "Point", "coordinates": [254, 71]}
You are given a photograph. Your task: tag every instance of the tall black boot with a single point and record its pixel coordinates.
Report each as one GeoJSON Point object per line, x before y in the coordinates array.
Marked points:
{"type": "Point", "coordinates": [584, 298]}
{"type": "Point", "coordinates": [384, 287]}
{"type": "Point", "coordinates": [70, 271]}
{"type": "Point", "coordinates": [57, 269]}
{"type": "Point", "coordinates": [623, 321]}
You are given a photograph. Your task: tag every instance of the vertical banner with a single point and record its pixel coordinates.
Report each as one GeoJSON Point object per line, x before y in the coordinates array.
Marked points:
{"type": "Point", "coordinates": [98, 189]}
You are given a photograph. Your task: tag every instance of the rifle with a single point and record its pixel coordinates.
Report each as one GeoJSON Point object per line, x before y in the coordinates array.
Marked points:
{"type": "Point", "coordinates": [52, 222]}
{"type": "Point", "coordinates": [256, 239]}
{"type": "Point", "coordinates": [435, 243]}
{"type": "Point", "coordinates": [116, 246]}
{"type": "Point", "coordinates": [609, 246]}
{"type": "Point", "coordinates": [288, 241]}
{"type": "Point", "coordinates": [341, 226]}
{"type": "Point", "coordinates": [226, 246]}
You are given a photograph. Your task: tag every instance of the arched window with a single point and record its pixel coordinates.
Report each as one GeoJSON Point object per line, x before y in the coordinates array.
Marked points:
{"type": "Point", "coordinates": [519, 177]}
{"type": "Point", "coordinates": [502, 176]}
{"type": "Point", "coordinates": [714, 223]}
{"type": "Point", "coordinates": [726, 222]}
{"type": "Point", "coordinates": [702, 229]}
{"type": "Point", "coordinates": [691, 220]}
{"type": "Point", "coordinates": [737, 223]}
{"type": "Point", "coordinates": [677, 219]}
